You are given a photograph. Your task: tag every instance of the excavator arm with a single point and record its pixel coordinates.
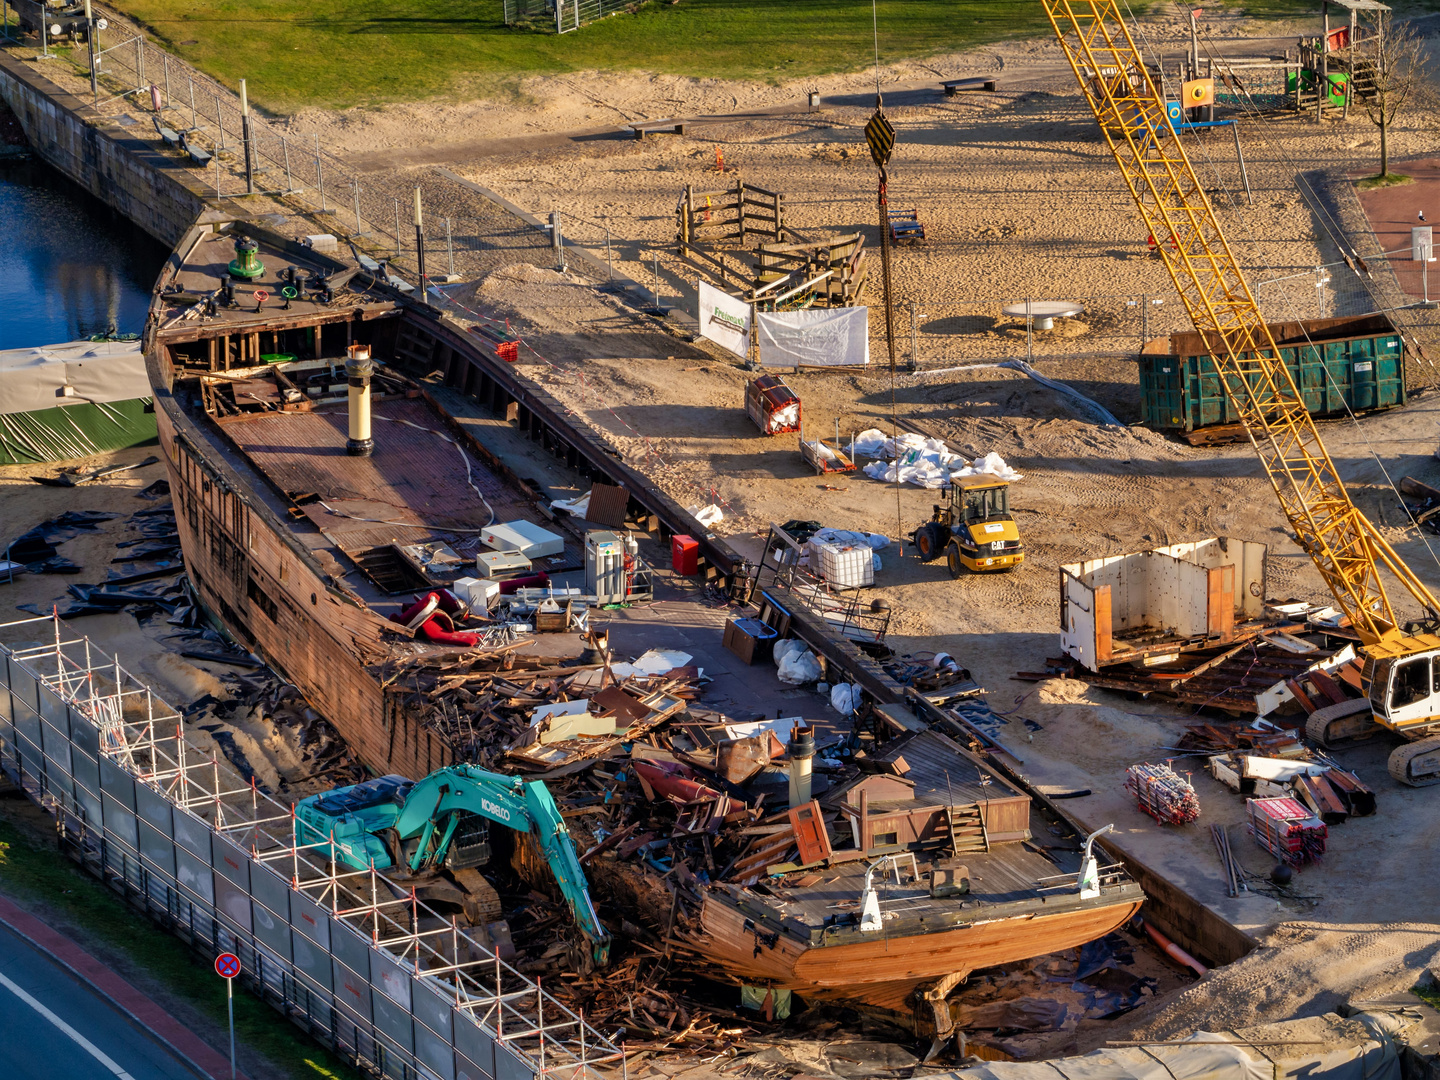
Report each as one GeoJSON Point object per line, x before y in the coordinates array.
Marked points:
{"type": "Point", "coordinates": [1178, 214]}
{"type": "Point", "coordinates": [506, 800]}
{"type": "Point", "coordinates": [1402, 661]}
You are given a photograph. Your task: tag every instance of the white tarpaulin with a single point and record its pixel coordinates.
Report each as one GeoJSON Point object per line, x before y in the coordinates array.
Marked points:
{"type": "Point", "coordinates": [725, 320]}
{"type": "Point", "coordinates": [95, 371]}
{"type": "Point", "coordinates": [821, 337]}
{"type": "Point", "coordinates": [926, 462]}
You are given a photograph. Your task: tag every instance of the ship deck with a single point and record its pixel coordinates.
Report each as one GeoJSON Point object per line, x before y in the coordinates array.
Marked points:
{"type": "Point", "coordinates": [418, 486]}
{"type": "Point", "coordinates": [429, 479]}
{"type": "Point", "coordinates": [206, 268]}
{"type": "Point", "coordinates": [1009, 879]}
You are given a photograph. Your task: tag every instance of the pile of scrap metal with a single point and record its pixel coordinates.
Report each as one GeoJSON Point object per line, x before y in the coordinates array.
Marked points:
{"type": "Point", "coordinates": [1425, 509]}
{"type": "Point", "coordinates": [1188, 622]}
{"type": "Point", "coordinates": [839, 861]}
{"type": "Point", "coordinates": [1271, 762]}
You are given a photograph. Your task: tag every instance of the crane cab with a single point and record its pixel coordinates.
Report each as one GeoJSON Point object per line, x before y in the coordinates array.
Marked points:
{"type": "Point", "coordinates": [1401, 678]}
{"type": "Point", "coordinates": [1402, 682]}
{"type": "Point", "coordinates": [1409, 693]}
{"type": "Point", "coordinates": [975, 529]}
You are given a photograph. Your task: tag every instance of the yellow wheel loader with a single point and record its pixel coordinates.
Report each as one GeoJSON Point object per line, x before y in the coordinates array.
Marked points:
{"type": "Point", "coordinates": [974, 530]}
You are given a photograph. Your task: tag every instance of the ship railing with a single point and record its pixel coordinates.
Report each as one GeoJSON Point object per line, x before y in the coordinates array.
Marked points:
{"type": "Point", "coordinates": [1112, 876]}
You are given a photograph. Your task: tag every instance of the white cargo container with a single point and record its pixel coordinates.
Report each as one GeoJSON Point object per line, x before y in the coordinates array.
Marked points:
{"type": "Point", "coordinates": [525, 537]}
{"type": "Point", "coordinates": [845, 567]}
{"type": "Point", "coordinates": [1160, 602]}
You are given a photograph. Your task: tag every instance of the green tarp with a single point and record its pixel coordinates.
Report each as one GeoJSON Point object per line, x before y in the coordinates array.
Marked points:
{"type": "Point", "coordinates": [75, 431]}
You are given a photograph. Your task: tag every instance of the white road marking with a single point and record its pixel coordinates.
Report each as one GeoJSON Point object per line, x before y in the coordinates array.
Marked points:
{"type": "Point", "coordinates": [84, 1043]}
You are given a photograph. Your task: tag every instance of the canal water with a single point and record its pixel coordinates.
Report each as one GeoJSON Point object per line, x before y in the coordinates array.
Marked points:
{"type": "Point", "coordinates": [70, 267]}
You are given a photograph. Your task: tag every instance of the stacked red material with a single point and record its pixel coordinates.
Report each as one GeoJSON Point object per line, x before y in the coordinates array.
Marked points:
{"type": "Point", "coordinates": [1163, 794]}
{"type": "Point", "coordinates": [1287, 830]}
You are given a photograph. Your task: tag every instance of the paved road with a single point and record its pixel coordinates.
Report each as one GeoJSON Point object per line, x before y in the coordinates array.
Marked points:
{"type": "Point", "coordinates": [54, 1026]}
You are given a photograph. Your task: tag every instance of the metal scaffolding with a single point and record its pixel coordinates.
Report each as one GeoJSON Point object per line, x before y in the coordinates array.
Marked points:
{"type": "Point", "coordinates": [350, 955]}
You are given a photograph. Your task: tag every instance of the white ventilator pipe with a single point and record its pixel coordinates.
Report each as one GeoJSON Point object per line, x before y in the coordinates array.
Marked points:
{"type": "Point", "coordinates": [802, 751]}
{"type": "Point", "coordinates": [358, 369]}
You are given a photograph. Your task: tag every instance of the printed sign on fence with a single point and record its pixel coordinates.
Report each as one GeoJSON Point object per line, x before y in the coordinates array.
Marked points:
{"type": "Point", "coordinates": [725, 320]}
{"type": "Point", "coordinates": [821, 337]}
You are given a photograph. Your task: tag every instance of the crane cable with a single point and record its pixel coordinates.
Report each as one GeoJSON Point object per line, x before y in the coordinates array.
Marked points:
{"type": "Point", "coordinates": [1247, 235]}
{"type": "Point", "coordinates": [1288, 302]}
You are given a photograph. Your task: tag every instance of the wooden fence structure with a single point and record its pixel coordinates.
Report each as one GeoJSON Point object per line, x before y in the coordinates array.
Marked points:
{"type": "Point", "coordinates": [730, 217]}
{"type": "Point", "coordinates": [842, 256]}
{"type": "Point", "coordinates": [709, 222]}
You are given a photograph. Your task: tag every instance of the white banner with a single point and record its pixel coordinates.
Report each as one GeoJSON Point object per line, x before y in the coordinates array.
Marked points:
{"type": "Point", "coordinates": [725, 320]}
{"type": "Point", "coordinates": [819, 337]}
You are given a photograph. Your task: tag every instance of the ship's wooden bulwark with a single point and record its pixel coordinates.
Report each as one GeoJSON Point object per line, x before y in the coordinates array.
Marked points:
{"type": "Point", "coordinates": [754, 953]}
{"type": "Point", "coordinates": [279, 607]}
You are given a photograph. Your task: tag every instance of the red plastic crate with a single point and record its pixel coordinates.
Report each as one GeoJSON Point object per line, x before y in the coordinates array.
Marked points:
{"type": "Point", "coordinates": [685, 555]}
{"type": "Point", "coordinates": [509, 351]}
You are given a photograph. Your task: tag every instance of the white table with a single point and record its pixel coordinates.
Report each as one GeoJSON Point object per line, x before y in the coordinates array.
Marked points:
{"type": "Point", "coordinates": [1043, 313]}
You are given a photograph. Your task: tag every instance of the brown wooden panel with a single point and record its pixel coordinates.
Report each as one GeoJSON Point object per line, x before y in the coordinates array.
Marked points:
{"type": "Point", "coordinates": [810, 834]}
{"type": "Point", "coordinates": [1102, 623]}
{"type": "Point", "coordinates": [608, 504]}
{"type": "Point", "coordinates": [1006, 819]}
{"type": "Point", "coordinates": [1220, 602]}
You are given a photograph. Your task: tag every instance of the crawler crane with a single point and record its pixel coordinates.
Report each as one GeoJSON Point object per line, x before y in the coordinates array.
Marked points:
{"type": "Point", "coordinates": [1401, 660]}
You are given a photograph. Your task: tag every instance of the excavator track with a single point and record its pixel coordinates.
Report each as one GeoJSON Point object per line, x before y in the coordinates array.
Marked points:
{"type": "Point", "coordinates": [482, 902]}
{"type": "Point", "coordinates": [1417, 764]}
{"type": "Point", "coordinates": [1345, 722]}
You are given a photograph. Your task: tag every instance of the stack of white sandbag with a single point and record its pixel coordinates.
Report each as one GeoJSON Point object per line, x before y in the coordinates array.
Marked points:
{"type": "Point", "coordinates": [924, 462]}
{"type": "Point", "coordinates": [796, 663]}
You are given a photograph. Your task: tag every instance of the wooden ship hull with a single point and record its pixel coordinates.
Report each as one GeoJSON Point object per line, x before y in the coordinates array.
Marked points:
{"type": "Point", "coordinates": [885, 970]}
{"type": "Point", "coordinates": [281, 593]}
{"type": "Point", "coordinates": [905, 970]}
{"type": "Point", "coordinates": [277, 520]}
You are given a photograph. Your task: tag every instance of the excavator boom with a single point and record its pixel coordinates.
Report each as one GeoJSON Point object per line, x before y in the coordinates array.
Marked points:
{"type": "Point", "coordinates": [355, 820]}
{"type": "Point", "coordinates": [1131, 110]}
{"type": "Point", "coordinates": [512, 802]}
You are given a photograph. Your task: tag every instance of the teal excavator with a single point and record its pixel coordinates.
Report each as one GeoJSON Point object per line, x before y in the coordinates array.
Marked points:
{"type": "Point", "coordinates": [435, 832]}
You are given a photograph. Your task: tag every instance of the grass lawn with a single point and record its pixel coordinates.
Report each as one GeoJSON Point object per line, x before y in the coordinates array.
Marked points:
{"type": "Point", "coordinates": [357, 52]}
{"type": "Point", "coordinates": [1387, 180]}
{"type": "Point", "coordinates": [32, 870]}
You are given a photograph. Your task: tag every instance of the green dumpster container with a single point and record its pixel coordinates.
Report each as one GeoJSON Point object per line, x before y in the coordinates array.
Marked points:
{"type": "Point", "coordinates": [1351, 363]}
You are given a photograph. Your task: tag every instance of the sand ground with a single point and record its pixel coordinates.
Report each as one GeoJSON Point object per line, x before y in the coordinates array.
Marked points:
{"type": "Point", "coordinates": [1020, 199]}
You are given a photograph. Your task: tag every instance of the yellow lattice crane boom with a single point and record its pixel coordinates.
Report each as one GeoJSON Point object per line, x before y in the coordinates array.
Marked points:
{"type": "Point", "coordinates": [1404, 694]}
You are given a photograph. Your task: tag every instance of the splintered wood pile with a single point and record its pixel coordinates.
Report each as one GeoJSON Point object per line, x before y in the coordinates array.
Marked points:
{"type": "Point", "coordinates": [1163, 794]}
{"type": "Point", "coordinates": [487, 706]}
{"type": "Point", "coordinates": [638, 995]}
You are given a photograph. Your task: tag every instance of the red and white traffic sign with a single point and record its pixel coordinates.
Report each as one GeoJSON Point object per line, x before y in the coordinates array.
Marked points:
{"type": "Point", "coordinates": [227, 965]}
